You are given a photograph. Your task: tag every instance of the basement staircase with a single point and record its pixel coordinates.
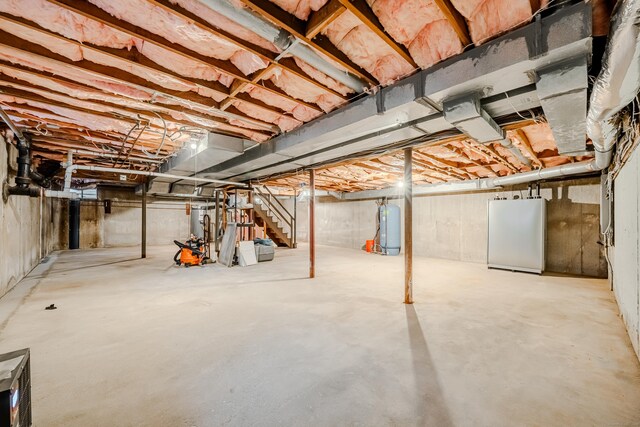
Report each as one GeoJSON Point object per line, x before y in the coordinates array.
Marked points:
{"type": "Point", "coordinates": [273, 216]}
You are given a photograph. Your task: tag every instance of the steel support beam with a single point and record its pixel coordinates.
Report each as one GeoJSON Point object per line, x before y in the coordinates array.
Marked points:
{"type": "Point", "coordinates": [408, 226]}
{"type": "Point", "coordinates": [312, 224]}
{"type": "Point", "coordinates": [143, 251]}
{"type": "Point", "coordinates": [499, 72]}
{"type": "Point", "coordinates": [216, 228]}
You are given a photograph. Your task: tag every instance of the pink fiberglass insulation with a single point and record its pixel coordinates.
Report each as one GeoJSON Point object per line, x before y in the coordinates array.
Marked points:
{"type": "Point", "coordinates": [298, 111]}
{"type": "Point", "coordinates": [541, 138]}
{"type": "Point", "coordinates": [74, 90]}
{"type": "Point", "coordinates": [87, 105]}
{"type": "Point", "coordinates": [181, 31]}
{"type": "Point", "coordinates": [157, 77]}
{"type": "Point", "coordinates": [421, 26]}
{"type": "Point", "coordinates": [285, 123]}
{"type": "Point", "coordinates": [77, 27]}
{"type": "Point", "coordinates": [510, 157]}
{"type": "Point", "coordinates": [105, 83]}
{"type": "Point", "coordinates": [236, 126]}
{"type": "Point", "coordinates": [76, 52]}
{"type": "Point", "coordinates": [92, 106]}
{"type": "Point", "coordinates": [366, 49]}
{"type": "Point", "coordinates": [90, 121]}
{"type": "Point", "coordinates": [299, 88]}
{"type": "Point", "coordinates": [80, 94]}
{"type": "Point", "coordinates": [323, 78]}
{"type": "Point", "coordinates": [443, 152]}
{"type": "Point", "coordinates": [66, 23]}
{"type": "Point", "coordinates": [183, 66]}
{"type": "Point", "coordinates": [300, 8]}
{"type": "Point", "coordinates": [555, 161]}
{"type": "Point", "coordinates": [214, 18]}
{"type": "Point", "coordinates": [472, 154]}
{"type": "Point", "coordinates": [489, 18]}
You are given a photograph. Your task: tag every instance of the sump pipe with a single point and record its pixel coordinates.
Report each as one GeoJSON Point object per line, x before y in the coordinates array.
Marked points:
{"type": "Point", "coordinates": [25, 175]}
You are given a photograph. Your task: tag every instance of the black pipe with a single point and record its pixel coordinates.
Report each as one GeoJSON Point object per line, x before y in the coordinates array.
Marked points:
{"type": "Point", "coordinates": [40, 179]}
{"type": "Point", "coordinates": [74, 224]}
{"type": "Point", "coordinates": [24, 191]}
{"type": "Point", "coordinates": [25, 175]}
{"type": "Point", "coordinates": [24, 163]}
{"type": "Point", "coordinates": [143, 246]}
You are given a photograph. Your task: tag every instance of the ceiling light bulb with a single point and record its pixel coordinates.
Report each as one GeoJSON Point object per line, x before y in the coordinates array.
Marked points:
{"type": "Point", "coordinates": [194, 145]}
{"type": "Point", "coordinates": [400, 184]}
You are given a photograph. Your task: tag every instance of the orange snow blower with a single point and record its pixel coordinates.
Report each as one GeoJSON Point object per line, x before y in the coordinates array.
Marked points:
{"type": "Point", "coordinates": [190, 253]}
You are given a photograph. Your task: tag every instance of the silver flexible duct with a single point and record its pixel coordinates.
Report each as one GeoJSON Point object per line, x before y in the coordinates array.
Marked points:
{"type": "Point", "coordinates": [284, 41]}
{"type": "Point", "coordinates": [618, 82]}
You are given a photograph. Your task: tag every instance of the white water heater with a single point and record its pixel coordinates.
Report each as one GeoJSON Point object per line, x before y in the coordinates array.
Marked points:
{"type": "Point", "coordinates": [390, 239]}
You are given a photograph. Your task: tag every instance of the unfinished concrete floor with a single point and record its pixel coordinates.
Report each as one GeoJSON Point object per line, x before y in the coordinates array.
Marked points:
{"type": "Point", "coordinates": [143, 343]}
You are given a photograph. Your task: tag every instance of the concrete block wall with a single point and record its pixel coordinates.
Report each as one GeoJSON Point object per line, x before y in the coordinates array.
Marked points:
{"type": "Point", "coordinates": [625, 254]}
{"type": "Point", "coordinates": [166, 220]}
{"type": "Point", "coordinates": [30, 228]}
{"type": "Point", "coordinates": [455, 226]}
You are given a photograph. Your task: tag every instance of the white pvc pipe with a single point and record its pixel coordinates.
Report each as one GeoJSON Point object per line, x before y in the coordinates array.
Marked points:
{"type": "Point", "coordinates": [60, 194]}
{"type": "Point", "coordinates": [71, 168]}
{"type": "Point", "coordinates": [478, 184]}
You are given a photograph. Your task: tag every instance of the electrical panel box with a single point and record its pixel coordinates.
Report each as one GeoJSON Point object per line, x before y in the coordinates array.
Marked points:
{"type": "Point", "coordinates": [516, 236]}
{"type": "Point", "coordinates": [390, 239]}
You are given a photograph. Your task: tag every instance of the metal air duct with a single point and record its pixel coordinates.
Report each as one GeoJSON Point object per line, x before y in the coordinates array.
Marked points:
{"type": "Point", "coordinates": [284, 41]}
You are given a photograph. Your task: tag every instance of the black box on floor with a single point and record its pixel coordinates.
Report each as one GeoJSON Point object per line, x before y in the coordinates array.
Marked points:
{"type": "Point", "coordinates": [15, 389]}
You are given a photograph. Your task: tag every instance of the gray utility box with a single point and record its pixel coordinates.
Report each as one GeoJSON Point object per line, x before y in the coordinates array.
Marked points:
{"type": "Point", "coordinates": [265, 253]}
{"type": "Point", "coordinates": [516, 237]}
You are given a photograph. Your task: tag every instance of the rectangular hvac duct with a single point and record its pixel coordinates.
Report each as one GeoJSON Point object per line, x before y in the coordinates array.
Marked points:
{"type": "Point", "coordinates": [210, 149]}
{"type": "Point", "coordinates": [562, 89]}
{"type": "Point", "coordinates": [470, 118]}
{"type": "Point", "coordinates": [505, 65]}
{"type": "Point", "coordinates": [516, 236]}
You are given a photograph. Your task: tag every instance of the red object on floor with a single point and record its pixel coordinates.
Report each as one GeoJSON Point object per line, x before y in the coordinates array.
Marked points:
{"type": "Point", "coordinates": [369, 245]}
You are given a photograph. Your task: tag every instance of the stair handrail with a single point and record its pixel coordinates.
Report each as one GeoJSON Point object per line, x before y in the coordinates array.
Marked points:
{"type": "Point", "coordinates": [288, 218]}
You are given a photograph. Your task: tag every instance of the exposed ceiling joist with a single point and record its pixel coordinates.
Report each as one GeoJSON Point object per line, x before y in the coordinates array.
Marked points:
{"type": "Point", "coordinates": [111, 73]}
{"type": "Point", "coordinates": [444, 164]}
{"type": "Point", "coordinates": [239, 86]}
{"type": "Point", "coordinates": [90, 11]}
{"type": "Point", "coordinates": [266, 55]}
{"type": "Point", "coordinates": [319, 20]}
{"type": "Point", "coordinates": [6, 81]}
{"type": "Point", "coordinates": [526, 145]}
{"type": "Point", "coordinates": [363, 12]}
{"type": "Point", "coordinates": [298, 28]}
{"type": "Point", "coordinates": [456, 20]}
